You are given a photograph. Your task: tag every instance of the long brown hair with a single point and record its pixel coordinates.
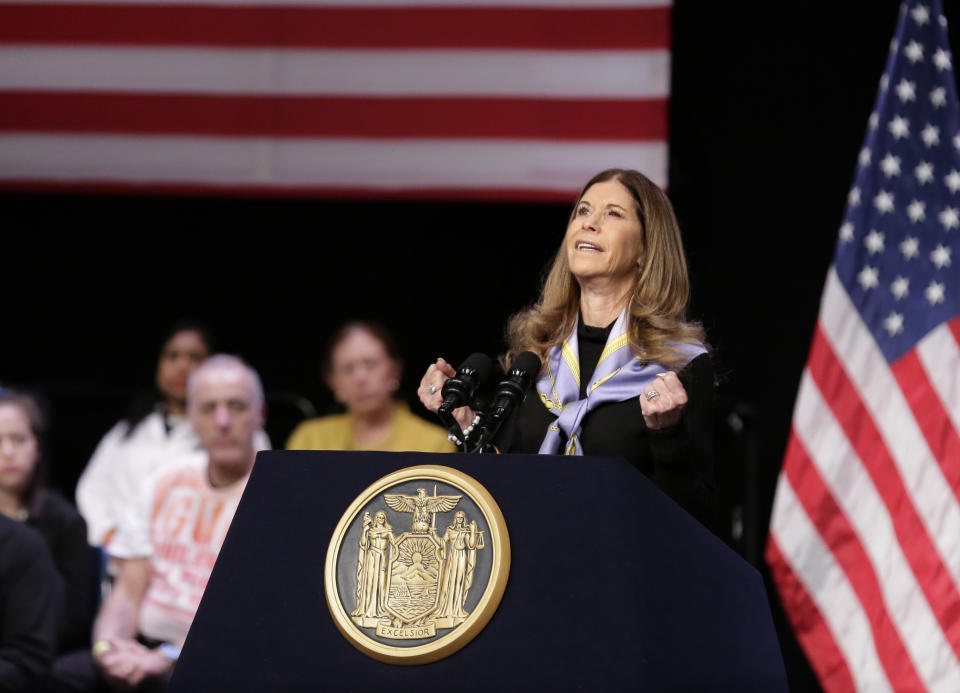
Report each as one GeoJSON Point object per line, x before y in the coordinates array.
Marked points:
{"type": "Point", "coordinates": [658, 300]}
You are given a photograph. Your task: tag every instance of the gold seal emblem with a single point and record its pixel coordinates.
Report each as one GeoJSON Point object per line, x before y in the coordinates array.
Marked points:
{"type": "Point", "coordinates": [417, 565]}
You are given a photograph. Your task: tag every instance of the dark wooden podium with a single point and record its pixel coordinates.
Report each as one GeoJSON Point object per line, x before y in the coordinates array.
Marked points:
{"type": "Point", "coordinates": [612, 587]}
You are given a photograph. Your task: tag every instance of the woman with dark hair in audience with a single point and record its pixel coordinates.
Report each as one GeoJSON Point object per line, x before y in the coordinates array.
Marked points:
{"type": "Point", "coordinates": [24, 498]}
{"type": "Point", "coordinates": [624, 372]}
{"type": "Point", "coordinates": [154, 436]}
{"type": "Point", "coordinates": [362, 366]}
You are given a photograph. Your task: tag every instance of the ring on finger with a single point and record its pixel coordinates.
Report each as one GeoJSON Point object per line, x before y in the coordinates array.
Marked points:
{"type": "Point", "coordinates": [432, 388]}
{"type": "Point", "coordinates": [651, 394]}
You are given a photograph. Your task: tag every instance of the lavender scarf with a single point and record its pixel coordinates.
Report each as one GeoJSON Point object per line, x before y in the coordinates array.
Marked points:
{"type": "Point", "coordinates": [619, 375]}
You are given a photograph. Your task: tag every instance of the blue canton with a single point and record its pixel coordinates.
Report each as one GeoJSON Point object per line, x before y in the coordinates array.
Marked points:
{"type": "Point", "coordinates": [898, 254]}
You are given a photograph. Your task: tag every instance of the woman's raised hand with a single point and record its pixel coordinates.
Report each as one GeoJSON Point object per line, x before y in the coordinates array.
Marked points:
{"type": "Point", "coordinates": [431, 385]}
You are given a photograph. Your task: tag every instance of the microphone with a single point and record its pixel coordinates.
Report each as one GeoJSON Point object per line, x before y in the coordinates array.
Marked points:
{"type": "Point", "coordinates": [459, 391]}
{"type": "Point", "coordinates": [510, 394]}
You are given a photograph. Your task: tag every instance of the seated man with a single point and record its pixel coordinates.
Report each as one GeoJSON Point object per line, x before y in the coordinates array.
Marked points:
{"type": "Point", "coordinates": [165, 557]}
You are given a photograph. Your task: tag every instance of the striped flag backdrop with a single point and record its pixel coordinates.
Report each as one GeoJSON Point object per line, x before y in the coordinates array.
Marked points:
{"type": "Point", "coordinates": [523, 99]}
{"type": "Point", "coordinates": [865, 535]}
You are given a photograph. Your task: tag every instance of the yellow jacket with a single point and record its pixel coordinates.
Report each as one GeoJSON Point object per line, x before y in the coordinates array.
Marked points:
{"type": "Point", "coordinates": [409, 433]}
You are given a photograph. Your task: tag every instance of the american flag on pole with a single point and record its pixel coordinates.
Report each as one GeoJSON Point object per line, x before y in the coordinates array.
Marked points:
{"type": "Point", "coordinates": [523, 99]}
{"type": "Point", "coordinates": [864, 540]}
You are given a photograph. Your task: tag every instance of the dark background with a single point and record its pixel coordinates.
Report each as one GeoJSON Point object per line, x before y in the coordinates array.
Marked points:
{"type": "Point", "coordinates": [769, 105]}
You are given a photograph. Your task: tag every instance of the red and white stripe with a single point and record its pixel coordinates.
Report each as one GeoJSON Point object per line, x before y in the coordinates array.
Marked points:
{"type": "Point", "coordinates": [865, 533]}
{"type": "Point", "coordinates": [477, 99]}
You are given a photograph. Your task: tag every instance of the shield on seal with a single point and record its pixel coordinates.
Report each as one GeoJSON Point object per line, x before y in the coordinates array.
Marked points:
{"type": "Point", "coordinates": [414, 577]}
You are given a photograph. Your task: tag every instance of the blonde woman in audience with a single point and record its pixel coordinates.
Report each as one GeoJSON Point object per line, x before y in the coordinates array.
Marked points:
{"type": "Point", "coordinates": [363, 367]}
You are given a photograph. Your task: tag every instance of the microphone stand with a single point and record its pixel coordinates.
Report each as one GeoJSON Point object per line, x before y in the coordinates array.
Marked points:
{"type": "Point", "coordinates": [486, 427]}
{"type": "Point", "coordinates": [477, 427]}
{"type": "Point", "coordinates": [454, 434]}
{"type": "Point", "coordinates": [509, 395]}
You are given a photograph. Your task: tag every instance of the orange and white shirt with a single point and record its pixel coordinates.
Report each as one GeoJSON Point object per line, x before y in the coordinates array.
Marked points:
{"type": "Point", "coordinates": [182, 530]}
{"type": "Point", "coordinates": [109, 488]}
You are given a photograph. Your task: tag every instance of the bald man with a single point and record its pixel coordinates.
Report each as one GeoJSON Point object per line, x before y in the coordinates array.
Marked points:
{"type": "Point", "coordinates": [166, 555]}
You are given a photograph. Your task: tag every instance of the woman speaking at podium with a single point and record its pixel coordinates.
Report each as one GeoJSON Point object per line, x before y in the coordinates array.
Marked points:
{"type": "Point", "coordinates": [624, 373]}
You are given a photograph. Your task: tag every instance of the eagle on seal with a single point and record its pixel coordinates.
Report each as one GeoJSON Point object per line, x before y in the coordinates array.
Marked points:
{"type": "Point", "coordinates": [421, 505]}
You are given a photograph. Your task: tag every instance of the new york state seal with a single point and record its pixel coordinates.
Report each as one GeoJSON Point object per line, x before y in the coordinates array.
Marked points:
{"type": "Point", "coordinates": [417, 565]}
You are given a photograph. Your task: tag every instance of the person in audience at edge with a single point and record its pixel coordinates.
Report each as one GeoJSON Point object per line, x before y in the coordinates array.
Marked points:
{"type": "Point", "coordinates": [155, 434]}
{"type": "Point", "coordinates": [31, 604]}
{"type": "Point", "coordinates": [24, 498]}
{"type": "Point", "coordinates": [362, 366]}
{"type": "Point", "coordinates": [166, 553]}
{"type": "Point", "coordinates": [614, 301]}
